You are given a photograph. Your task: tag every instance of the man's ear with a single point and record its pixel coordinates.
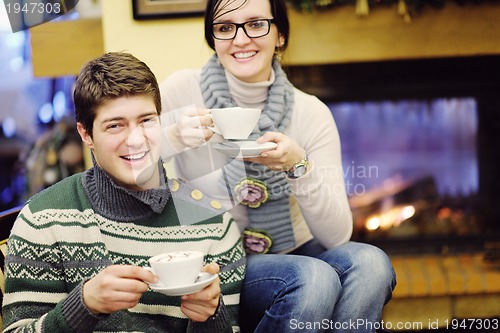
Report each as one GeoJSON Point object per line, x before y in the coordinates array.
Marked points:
{"type": "Point", "coordinates": [86, 137]}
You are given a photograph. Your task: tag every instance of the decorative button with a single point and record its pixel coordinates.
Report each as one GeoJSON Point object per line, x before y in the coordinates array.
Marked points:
{"type": "Point", "coordinates": [175, 186]}
{"type": "Point", "coordinates": [215, 204]}
{"type": "Point", "coordinates": [196, 195]}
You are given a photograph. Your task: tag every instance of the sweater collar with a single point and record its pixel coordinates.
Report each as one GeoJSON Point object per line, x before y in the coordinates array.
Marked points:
{"type": "Point", "coordinates": [250, 95]}
{"type": "Point", "coordinates": [116, 202]}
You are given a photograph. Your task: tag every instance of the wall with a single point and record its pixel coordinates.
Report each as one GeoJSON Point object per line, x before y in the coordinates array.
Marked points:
{"type": "Point", "coordinates": [332, 36]}
{"type": "Point", "coordinates": [165, 45]}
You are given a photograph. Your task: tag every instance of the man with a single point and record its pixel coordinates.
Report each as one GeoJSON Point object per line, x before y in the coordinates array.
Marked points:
{"type": "Point", "coordinates": [77, 249]}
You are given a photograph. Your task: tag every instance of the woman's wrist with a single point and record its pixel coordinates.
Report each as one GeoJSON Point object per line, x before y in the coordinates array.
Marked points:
{"type": "Point", "coordinates": [300, 168]}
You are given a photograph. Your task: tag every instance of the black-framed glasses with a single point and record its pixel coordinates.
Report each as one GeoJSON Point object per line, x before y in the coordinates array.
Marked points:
{"type": "Point", "coordinates": [253, 29]}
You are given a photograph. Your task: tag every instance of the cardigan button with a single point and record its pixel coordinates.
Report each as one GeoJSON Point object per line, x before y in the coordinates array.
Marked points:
{"type": "Point", "coordinates": [215, 204]}
{"type": "Point", "coordinates": [175, 186]}
{"type": "Point", "coordinates": [196, 194]}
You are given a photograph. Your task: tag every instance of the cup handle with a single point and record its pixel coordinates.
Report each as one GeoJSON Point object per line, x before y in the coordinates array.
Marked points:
{"type": "Point", "coordinates": [213, 128]}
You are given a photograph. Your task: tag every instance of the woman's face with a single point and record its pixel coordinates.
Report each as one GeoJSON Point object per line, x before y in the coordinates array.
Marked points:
{"type": "Point", "coordinates": [248, 59]}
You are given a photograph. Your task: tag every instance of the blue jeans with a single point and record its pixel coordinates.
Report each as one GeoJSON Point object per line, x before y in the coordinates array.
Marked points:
{"type": "Point", "coordinates": [316, 290]}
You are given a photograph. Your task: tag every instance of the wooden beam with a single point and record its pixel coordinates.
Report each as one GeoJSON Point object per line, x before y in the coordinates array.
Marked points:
{"type": "Point", "coordinates": [339, 36]}
{"type": "Point", "coordinates": [61, 48]}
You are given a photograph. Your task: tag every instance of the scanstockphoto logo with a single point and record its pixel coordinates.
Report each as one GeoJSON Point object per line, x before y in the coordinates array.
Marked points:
{"type": "Point", "coordinates": [18, 15]}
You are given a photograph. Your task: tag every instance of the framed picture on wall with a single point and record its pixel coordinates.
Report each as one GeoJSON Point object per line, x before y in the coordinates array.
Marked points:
{"type": "Point", "coordinates": [157, 9]}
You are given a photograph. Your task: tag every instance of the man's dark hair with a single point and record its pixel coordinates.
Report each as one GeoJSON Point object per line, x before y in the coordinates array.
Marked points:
{"type": "Point", "coordinates": [110, 76]}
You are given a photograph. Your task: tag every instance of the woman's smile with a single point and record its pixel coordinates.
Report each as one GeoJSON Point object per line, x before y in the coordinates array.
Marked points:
{"type": "Point", "coordinates": [244, 55]}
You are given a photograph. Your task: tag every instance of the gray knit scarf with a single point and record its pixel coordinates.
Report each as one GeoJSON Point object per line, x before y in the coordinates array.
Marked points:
{"type": "Point", "coordinates": [120, 204]}
{"type": "Point", "coordinates": [272, 216]}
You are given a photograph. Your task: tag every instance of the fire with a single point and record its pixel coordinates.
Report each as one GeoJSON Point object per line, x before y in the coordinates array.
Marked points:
{"type": "Point", "coordinates": [390, 218]}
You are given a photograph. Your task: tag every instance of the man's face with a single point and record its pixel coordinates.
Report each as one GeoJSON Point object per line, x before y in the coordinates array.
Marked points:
{"type": "Point", "coordinates": [126, 141]}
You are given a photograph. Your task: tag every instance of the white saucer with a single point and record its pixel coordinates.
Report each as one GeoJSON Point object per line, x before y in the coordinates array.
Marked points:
{"type": "Point", "coordinates": [243, 148]}
{"type": "Point", "coordinates": [201, 282]}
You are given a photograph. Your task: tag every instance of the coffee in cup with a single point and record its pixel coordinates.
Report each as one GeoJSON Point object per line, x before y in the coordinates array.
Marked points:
{"type": "Point", "coordinates": [177, 268]}
{"type": "Point", "coordinates": [234, 123]}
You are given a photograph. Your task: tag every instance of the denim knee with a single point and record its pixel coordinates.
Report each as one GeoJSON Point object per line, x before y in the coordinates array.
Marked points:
{"type": "Point", "coordinates": [317, 278]}
{"type": "Point", "coordinates": [377, 263]}
{"type": "Point", "coordinates": [306, 275]}
{"type": "Point", "coordinates": [282, 289]}
{"type": "Point", "coordinates": [365, 261]}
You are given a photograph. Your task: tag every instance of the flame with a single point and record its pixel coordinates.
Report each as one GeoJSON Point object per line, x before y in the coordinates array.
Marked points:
{"type": "Point", "coordinates": [372, 223]}
{"type": "Point", "coordinates": [390, 218]}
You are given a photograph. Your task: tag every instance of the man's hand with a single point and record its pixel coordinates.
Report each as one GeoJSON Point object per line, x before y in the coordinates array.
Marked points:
{"type": "Point", "coordinates": [115, 288]}
{"type": "Point", "coordinates": [202, 305]}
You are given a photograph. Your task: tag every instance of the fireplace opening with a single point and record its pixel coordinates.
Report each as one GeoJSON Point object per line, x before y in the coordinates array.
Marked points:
{"type": "Point", "coordinates": [410, 168]}
{"type": "Point", "coordinates": [420, 150]}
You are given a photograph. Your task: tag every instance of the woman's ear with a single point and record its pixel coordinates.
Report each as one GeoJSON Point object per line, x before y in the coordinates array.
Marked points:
{"type": "Point", "coordinates": [86, 137]}
{"type": "Point", "coordinates": [281, 41]}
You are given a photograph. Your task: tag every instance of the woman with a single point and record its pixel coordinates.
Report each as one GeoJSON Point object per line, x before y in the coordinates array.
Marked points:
{"type": "Point", "coordinates": [290, 202]}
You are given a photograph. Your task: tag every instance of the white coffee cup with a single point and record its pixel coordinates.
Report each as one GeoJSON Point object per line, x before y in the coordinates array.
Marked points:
{"type": "Point", "coordinates": [177, 268]}
{"type": "Point", "coordinates": [234, 123]}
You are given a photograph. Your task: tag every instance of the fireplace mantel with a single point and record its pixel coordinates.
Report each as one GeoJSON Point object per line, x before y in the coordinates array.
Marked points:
{"type": "Point", "coordinates": [339, 36]}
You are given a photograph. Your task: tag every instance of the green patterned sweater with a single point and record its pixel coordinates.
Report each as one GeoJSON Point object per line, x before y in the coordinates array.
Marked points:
{"type": "Point", "coordinates": [59, 241]}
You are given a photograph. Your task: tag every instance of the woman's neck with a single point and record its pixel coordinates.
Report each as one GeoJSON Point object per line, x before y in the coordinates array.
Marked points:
{"type": "Point", "coordinates": [250, 95]}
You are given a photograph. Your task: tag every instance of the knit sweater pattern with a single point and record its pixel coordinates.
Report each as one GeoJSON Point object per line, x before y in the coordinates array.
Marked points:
{"type": "Point", "coordinates": [58, 242]}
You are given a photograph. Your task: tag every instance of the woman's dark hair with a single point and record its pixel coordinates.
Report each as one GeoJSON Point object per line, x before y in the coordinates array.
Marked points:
{"type": "Point", "coordinates": [110, 76]}
{"type": "Point", "coordinates": [215, 9]}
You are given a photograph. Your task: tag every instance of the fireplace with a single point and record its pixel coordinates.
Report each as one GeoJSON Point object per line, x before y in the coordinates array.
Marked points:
{"type": "Point", "coordinates": [454, 202]}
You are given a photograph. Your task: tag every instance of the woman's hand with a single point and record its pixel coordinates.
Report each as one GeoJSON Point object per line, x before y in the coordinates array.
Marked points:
{"type": "Point", "coordinates": [191, 128]}
{"type": "Point", "coordinates": [287, 153]}
{"type": "Point", "coordinates": [116, 288]}
{"type": "Point", "coordinates": [202, 305]}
